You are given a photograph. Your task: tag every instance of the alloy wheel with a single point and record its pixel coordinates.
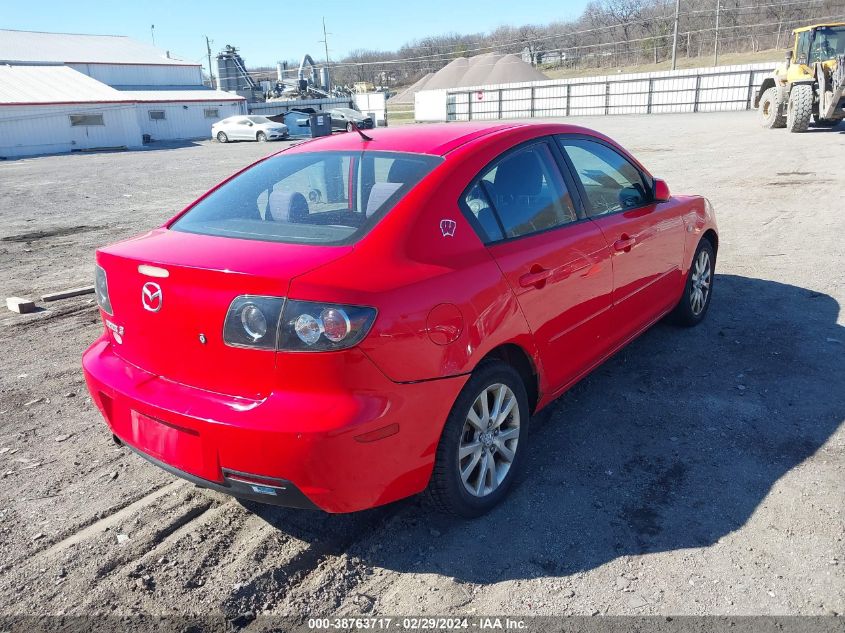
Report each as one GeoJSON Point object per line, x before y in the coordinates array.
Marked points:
{"type": "Point", "coordinates": [701, 278]}
{"type": "Point", "coordinates": [489, 440]}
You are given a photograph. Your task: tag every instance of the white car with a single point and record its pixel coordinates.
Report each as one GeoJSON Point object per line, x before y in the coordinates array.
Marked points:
{"type": "Point", "coordinates": [248, 128]}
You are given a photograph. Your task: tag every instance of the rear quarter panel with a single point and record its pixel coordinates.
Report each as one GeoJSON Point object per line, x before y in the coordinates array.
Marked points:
{"type": "Point", "coordinates": [406, 266]}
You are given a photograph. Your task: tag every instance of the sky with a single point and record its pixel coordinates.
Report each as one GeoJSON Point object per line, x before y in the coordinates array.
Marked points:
{"type": "Point", "coordinates": [267, 33]}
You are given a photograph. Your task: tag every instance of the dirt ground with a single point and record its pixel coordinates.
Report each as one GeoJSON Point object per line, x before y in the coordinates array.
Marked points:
{"type": "Point", "coordinates": [697, 472]}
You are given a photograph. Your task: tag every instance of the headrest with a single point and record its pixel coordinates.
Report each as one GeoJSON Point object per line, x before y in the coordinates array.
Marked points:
{"type": "Point", "coordinates": [288, 206]}
{"type": "Point", "coordinates": [380, 192]}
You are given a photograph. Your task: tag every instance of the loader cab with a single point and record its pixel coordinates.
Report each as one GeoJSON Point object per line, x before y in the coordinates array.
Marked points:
{"type": "Point", "coordinates": [818, 43]}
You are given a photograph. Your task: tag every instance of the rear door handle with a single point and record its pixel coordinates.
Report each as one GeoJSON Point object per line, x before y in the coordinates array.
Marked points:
{"type": "Point", "coordinates": [536, 278]}
{"type": "Point", "coordinates": [624, 243]}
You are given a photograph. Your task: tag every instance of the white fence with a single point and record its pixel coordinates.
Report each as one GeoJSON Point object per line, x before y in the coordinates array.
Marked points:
{"type": "Point", "coordinates": [694, 90]}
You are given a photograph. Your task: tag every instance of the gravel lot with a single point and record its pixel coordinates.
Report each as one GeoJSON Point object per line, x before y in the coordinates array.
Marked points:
{"type": "Point", "coordinates": [697, 472]}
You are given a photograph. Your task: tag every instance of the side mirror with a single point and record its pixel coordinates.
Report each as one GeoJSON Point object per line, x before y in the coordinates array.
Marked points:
{"type": "Point", "coordinates": [661, 190]}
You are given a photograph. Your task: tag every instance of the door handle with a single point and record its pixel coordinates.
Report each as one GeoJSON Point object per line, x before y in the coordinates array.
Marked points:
{"type": "Point", "coordinates": [537, 277]}
{"type": "Point", "coordinates": [624, 243]}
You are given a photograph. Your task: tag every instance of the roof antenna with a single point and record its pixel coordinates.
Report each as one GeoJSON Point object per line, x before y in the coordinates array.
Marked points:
{"type": "Point", "coordinates": [357, 129]}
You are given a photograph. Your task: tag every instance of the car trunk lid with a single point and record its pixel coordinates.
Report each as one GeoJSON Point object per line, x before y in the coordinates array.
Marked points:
{"type": "Point", "coordinates": [175, 329]}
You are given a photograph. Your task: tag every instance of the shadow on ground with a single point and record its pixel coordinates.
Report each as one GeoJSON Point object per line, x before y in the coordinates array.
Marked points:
{"type": "Point", "coordinates": [671, 444]}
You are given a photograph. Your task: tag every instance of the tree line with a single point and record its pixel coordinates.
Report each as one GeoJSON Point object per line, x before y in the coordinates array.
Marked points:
{"type": "Point", "coordinates": [609, 33]}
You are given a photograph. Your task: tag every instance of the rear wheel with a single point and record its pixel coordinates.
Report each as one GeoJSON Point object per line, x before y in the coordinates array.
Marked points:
{"type": "Point", "coordinates": [222, 138]}
{"type": "Point", "coordinates": [692, 307]}
{"type": "Point", "coordinates": [482, 444]}
{"type": "Point", "coordinates": [261, 137]}
{"type": "Point", "coordinates": [799, 109]}
{"type": "Point", "coordinates": [770, 110]}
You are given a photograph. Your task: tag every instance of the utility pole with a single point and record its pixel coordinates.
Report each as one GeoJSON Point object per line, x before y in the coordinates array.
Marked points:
{"type": "Point", "coordinates": [210, 71]}
{"type": "Point", "coordinates": [326, 44]}
{"type": "Point", "coordinates": [716, 42]}
{"type": "Point", "coordinates": [153, 33]}
{"type": "Point", "coordinates": [675, 37]}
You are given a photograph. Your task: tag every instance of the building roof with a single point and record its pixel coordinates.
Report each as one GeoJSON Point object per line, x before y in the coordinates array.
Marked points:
{"type": "Point", "coordinates": [51, 84]}
{"type": "Point", "coordinates": [162, 94]}
{"type": "Point", "coordinates": [44, 85]}
{"type": "Point", "coordinates": [73, 48]}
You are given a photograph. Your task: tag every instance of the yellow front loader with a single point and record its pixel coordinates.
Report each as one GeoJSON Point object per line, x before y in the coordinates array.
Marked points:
{"type": "Point", "coordinates": [810, 84]}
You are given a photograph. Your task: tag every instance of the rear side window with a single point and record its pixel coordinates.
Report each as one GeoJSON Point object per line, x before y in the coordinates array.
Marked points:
{"type": "Point", "coordinates": [610, 181]}
{"type": "Point", "coordinates": [318, 198]}
{"type": "Point", "coordinates": [521, 193]}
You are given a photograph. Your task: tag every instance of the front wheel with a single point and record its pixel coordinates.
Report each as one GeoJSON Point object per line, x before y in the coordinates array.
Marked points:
{"type": "Point", "coordinates": [693, 305]}
{"type": "Point", "coordinates": [482, 444]}
{"type": "Point", "coordinates": [799, 109]}
{"type": "Point", "coordinates": [349, 127]}
{"type": "Point", "coordinates": [222, 138]}
{"type": "Point", "coordinates": [261, 137]}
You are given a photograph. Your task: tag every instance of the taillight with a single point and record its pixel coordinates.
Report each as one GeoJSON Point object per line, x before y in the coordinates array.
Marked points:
{"type": "Point", "coordinates": [253, 321]}
{"type": "Point", "coordinates": [295, 326]}
{"type": "Point", "coordinates": [101, 288]}
{"type": "Point", "coordinates": [321, 327]}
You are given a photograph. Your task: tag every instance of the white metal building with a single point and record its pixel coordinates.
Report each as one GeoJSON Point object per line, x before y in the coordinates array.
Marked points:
{"type": "Point", "coordinates": [65, 92]}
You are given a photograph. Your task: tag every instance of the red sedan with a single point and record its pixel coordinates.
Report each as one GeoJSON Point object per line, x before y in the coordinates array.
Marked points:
{"type": "Point", "coordinates": [358, 319]}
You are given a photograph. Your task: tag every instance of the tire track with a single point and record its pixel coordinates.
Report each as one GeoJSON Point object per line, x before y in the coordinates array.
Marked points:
{"type": "Point", "coordinates": [317, 577]}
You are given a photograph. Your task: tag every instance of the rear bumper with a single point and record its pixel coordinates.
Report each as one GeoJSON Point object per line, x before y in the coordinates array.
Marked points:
{"type": "Point", "coordinates": [360, 442]}
{"type": "Point", "coordinates": [277, 492]}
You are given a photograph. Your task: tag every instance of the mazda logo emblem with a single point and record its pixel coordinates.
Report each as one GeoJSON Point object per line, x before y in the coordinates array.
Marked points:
{"type": "Point", "coordinates": [151, 296]}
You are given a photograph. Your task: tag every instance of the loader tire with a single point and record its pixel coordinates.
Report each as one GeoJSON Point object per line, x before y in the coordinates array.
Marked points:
{"type": "Point", "coordinates": [771, 114]}
{"type": "Point", "coordinates": [799, 109]}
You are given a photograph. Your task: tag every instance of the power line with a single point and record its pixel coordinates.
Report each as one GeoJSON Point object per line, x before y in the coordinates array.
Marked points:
{"type": "Point", "coordinates": [450, 56]}
{"type": "Point", "coordinates": [608, 27]}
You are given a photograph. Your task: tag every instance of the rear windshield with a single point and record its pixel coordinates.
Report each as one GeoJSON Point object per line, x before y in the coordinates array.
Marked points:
{"type": "Point", "coordinates": [316, 198]}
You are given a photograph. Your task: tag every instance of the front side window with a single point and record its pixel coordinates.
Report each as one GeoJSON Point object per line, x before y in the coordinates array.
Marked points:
{"type": "Point", "coordinates": [610, 181]}
{"type": "Point", "coordinates": [317, 198]}
{"type": "Point", "coordinates": [519, 194]}
{"type": "Point", "coordinates": [828, 42]}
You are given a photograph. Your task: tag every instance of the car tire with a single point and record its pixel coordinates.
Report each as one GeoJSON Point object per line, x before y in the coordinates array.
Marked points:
{"type": "Point", "coordinates": [349, 126]}
{"type": "Point", "coordinates": [799, 108]}
{"type": "Point", "coordinates": [459, 485]}
{"type": "Point", "coordinates": [222, 138]}
{"type": "Point", "coordinates": [261, 137]}
{"type": "Point", "coordinates": [692, 308]}
{"type": "Point", "coordinates": [770, 110]}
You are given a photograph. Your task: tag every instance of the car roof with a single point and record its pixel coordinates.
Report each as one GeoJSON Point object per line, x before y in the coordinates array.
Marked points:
{"type": "Point", "coordinates": [436, 139]}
